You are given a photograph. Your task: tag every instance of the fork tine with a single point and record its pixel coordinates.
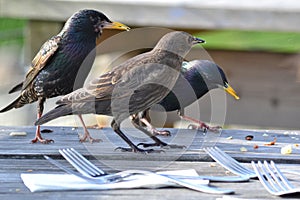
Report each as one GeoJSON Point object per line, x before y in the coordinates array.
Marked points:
{"type": "Point", "coordinates": [77, 163]}
{"type": "Point", "coordinates": [282, 177]}
{"type": "Point", "coordinates": [87, 162]}
{"type": "Point", "coordinates": [81, 164]}
{"type": "Point", "coordinates": [270, 176]}
{"type": "Point", "coordinates": [233, 162]}
{"type": "Point", "coordinates": [228, 162]}
{"type": "Point", "coordinates": [261, 177]}
{"type": "Point", "coordinates": [276, 176]}
{"type": "Point", "coordinates": [73, 162]}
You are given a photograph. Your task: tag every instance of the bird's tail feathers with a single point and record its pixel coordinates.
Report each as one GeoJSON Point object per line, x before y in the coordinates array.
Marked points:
{"type": "Point", "coordinates": [16, 88]}
{"type": "Point", "coordinates": [59, 111]}
{"type": "Point", "coordinates": [14, 104]}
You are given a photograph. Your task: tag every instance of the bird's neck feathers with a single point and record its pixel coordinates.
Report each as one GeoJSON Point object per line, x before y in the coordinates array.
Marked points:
{"type": "Point", "coordinates": [73, 32]}
{"type": "Point", "coordinates": [197, 81]}
{"type": "Point", "coordinates": [173, 47]}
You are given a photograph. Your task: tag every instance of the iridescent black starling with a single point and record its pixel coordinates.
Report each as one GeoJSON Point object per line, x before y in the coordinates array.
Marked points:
{"type": "Point", "coordinates": [63, 62]}
{"type": "Point", "coordinates": [130, 87]}
{"type": "Point", "coordinates": [197, 78]}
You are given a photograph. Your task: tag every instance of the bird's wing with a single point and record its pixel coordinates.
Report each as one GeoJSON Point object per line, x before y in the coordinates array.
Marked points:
{"type": "Point", "coordinates": [117, 83]}
{"type": "Point", "coordinates": [102, 88]}
{"type": "Point", "coordinates": [76, 96]}
{"type": "Point", "coordinates": [98, 88]}
{"type": "Point", "coordinates": [41, 59]}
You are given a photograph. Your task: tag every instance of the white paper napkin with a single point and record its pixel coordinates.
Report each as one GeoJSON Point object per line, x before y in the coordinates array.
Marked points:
{"type": "Point", "coordinates": [56, 182]}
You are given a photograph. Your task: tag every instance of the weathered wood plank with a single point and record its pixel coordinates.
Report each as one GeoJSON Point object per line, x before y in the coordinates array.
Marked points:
{"type": "Point", "coordinates": [66, 137]}
{"type": "Point", "coordinates": [18, 156]}
{"type": "Point", "coordinates": [12, 186]}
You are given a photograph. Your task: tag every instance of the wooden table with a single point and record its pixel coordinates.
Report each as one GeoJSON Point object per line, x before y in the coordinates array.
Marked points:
{"type": "Point", "coordinates": [18, 156]}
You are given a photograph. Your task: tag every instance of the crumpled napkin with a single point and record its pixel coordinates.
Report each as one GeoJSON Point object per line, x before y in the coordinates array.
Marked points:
{"type": "Point", "coordinates": [58, 182]}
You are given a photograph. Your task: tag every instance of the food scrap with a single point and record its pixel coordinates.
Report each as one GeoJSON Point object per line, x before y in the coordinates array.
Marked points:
{"type": "Point", "coordinates": [212, 165]}
{"type": "Point", "coordinates": [95, 126]}
{"type": "Point", "coordinates": [46, 130]}
{"type": "Point", "coordinates": [18, 134]}
{"type": "Point", "coordinates": [243, 149]}
{"type": "Point", "coordinates": [285, 132]}
{"type": "Point", "coordinates": [227, 172]}
{"type": "Point", "coordinates": [286, 149]}
{"type": "Point", "coordinates": [255, 146]}
{"type": "Point", "coordinates": [249, 137]}
{"type": "Point", "coordinates": [271, 143]}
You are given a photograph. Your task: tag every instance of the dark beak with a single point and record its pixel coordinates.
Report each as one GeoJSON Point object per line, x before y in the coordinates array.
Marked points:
{"type": "Point", "coordinates": [198, 40]}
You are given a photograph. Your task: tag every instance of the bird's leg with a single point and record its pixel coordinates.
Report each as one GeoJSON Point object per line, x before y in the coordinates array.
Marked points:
{"type": "Point", "coordinates": [38, 136]}
{"type": "Point", "coordinates": [151, 128]}
{"type": "Point", "coordinates": [157, 142]}
{"type": "Point", "coordinates": [154, 131]}
{"type": "Point", "coordinates": [86, 133]}
{"type": "Point", "coordinates": [133, 147]}
{"type": "Point", "coordinates": [200, 125]}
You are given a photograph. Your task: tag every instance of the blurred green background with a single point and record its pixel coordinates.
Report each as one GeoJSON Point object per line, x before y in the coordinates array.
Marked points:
{"type": "Point", "coordinates": [12, 32]}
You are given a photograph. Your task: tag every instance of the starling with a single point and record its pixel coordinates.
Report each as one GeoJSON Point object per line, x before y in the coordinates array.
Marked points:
{"type": "Point", "coordinates": [131, 87]}
{"type": "Point", "coordinates": [196, 79]}
{"type": "Point", "coordinates": [63, 62]}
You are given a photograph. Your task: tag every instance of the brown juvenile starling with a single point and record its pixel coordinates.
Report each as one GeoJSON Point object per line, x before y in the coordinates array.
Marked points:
{"type": "Point", "coordinates": [130, 87]}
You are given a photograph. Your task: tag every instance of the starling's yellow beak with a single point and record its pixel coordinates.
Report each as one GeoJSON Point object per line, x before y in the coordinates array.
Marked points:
{"type": "Point", "coordinates": [115, 25]}
{"type": "Point", "coordinates": [231, 91]}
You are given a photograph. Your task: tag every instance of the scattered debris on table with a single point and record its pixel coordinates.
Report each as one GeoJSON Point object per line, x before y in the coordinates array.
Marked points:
{"type": "Point", "coordinates": [18, 134]}
{"type": "Point", "coordinates": [271, 143]}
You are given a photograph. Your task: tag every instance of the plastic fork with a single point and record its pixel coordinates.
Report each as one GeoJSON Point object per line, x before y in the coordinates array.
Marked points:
{"type": "Point", "coordinates": [272, 178]}
{"type": "Point", "coordinates": [234, 166]}
{"type": "Point", "coordinates": [88, 169]}
{"type": "Point", "coordinates": [229, 163]}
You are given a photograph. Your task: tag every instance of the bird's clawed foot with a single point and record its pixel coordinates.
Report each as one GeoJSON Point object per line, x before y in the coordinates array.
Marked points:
{"type": "Point", "coordinates": [161, 133]}
{"type": "Point", "coordinates": [204, 127]}
{"type": "Point", "coordinates": [138, 150]}
{"type": "Point", "coordinates": [41, 140]}
{"type": "Point", "coordinates": [162, 145]}
{"type": "Point", "coordinates": [87, 137]}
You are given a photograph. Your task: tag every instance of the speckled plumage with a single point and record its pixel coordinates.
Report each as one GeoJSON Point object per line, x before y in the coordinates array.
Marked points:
{"type": "Point", "coordinates": [63, 62]}
{"type": "Point", "coordinates": [132, 86]}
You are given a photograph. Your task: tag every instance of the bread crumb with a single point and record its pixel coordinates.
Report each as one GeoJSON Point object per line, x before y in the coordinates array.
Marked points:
{"type": "Point", "coordinates": [243, 149]}
{"type": "Point", "coordinates": [271, 143]}
{"type": "Point", "coordinates": [18, 134]}
{"type": "Point", "coordinates": [212, 165]}
{"type": "Point", "coordinates": [286, 149]}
